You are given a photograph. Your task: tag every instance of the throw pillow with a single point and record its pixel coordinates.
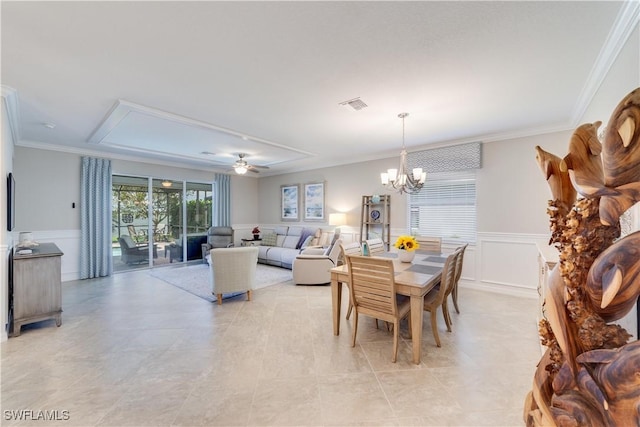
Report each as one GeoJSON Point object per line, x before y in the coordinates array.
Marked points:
{"type": "Point", "coordinates": [303, 237]}
{"type": "Point", "coordinates": [269, 239]}
{"type": "Point", "coordinates": [306, 242]}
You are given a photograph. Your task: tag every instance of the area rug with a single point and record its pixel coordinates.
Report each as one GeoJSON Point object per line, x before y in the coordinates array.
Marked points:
{"type": "Point", "coordinates": [195, 278]}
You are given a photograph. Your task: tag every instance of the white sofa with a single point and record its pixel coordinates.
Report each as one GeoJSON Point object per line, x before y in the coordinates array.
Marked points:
{"type": "Point", "coordinates": [287, 244]}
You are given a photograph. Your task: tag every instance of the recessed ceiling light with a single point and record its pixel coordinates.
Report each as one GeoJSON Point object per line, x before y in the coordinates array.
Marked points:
{"type": "Point", "coordinates": [49, 125]}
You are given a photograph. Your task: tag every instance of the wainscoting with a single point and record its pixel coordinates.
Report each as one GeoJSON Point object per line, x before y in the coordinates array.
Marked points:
{"type": "Point", "coordinates": [498, 262]}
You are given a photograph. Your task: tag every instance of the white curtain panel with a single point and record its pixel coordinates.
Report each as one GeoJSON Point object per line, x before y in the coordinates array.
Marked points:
{"type": "Point", "coordinates": [95, 218]}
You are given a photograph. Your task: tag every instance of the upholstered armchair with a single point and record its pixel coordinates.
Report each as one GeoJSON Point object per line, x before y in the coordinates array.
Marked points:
{"type": "Point", "coordinates": [311, 266]}
{"type": "Point", "coordinates": [233, 270]}
{"type": "Point", "coordinates": [217, 237]}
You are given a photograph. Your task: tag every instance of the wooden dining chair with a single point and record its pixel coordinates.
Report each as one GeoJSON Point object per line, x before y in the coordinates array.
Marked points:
{"type": "Point", "coordinates": [431, 244]}
{"type": "Point", "coordinates": [375, 246]}
{"type": "Point", "coordinates": [353, 248]}
{"type": "Point", "coordinates": [454, 293]}
{"type": "Point", "coordinates": [452, 286]}
{"type": "Point", "coordinates": [350, 249]}
{"type": "Point", "coordinates": [436, 297]}
{"type": "Point", "coordinates": [373, 293]}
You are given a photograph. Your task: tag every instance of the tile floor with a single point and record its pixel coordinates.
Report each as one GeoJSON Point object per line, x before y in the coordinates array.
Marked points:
{"type": "Point", "coordinates": [136, 351]}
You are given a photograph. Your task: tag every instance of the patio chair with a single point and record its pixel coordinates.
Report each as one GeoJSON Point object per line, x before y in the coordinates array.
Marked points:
{"type": "Point", "coordinates": [137, 236]}
{"type": "Point", "coordinates": [133, 252]}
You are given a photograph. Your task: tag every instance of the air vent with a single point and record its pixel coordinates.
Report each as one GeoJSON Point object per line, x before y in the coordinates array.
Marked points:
{"type": "Point", "coordinates": [355, 103]}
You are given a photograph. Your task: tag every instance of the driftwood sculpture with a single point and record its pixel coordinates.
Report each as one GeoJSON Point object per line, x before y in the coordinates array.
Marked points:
{"type": "Point", "coordinates": [590, 375]}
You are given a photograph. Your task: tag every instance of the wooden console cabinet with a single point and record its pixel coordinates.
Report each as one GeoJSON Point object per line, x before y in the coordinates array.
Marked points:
{"type": "Point", "coordinates": [36, 291]}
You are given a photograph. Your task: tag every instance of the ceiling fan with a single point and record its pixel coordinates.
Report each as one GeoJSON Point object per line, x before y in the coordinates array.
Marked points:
{"type": "Point", "coordinates": [241, 166]}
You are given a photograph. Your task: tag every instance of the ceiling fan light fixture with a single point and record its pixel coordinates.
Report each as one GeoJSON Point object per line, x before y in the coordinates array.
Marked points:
{"type": "Point", "coordinates": [167, 183]}
{"type": "Point", "coordinates": [241, 170]}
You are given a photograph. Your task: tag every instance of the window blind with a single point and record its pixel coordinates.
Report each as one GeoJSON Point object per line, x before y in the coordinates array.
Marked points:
{"type": "Point", "coordinates": [446, 206]}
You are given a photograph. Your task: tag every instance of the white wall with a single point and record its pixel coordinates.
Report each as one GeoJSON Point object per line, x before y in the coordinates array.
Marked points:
{"type": "Point", "coordinates": [344, 186]}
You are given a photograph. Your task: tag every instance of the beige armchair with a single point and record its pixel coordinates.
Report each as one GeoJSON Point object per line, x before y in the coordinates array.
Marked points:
{"type": "Point", "coordinates": [311, 266]}
{"type": "Point", "coordinates": [233, 270]}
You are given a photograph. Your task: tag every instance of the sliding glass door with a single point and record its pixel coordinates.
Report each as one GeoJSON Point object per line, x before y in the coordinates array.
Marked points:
{"type": "Point", "coordinates": [198, 214]}
{"type": "Point", "coordinates": [167, 220]}
{"type": "Point", "coordinates": [130, 224]}
{"type": "Point", "coordinates": [150, 216]}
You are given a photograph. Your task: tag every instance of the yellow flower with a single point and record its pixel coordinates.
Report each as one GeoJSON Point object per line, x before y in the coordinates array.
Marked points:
{"type": "Point", "coordinates": [408, 243]}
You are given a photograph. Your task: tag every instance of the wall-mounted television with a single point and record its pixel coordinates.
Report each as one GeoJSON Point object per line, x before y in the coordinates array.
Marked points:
{"type": "Point", "coordinates": [11, 202]}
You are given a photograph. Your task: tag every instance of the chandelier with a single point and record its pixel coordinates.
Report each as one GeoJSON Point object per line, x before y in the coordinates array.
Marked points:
{"type": "Point", "coordinates": [398, 179]}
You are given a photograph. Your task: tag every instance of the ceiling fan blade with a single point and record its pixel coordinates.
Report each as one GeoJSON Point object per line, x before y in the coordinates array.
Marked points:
{"type": "Point", "coordinates": [253, 170]}
{"type": "Point", "coordinates": [260, 167]}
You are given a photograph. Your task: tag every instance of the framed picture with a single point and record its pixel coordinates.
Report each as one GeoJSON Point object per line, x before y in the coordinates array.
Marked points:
{"type": "Point", "coordinates": [289, 202]}
{"type": "Point", "coordinates": [314, 201]}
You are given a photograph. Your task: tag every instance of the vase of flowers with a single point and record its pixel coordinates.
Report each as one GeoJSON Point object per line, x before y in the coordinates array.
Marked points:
{"type": "Point", "coordinates": [406, 246]}
{"type": "Point", "coordinates": [256, 233]}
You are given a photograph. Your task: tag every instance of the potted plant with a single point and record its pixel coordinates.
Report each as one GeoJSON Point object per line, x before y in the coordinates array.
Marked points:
{"type": "Point", "coordinates": [406, 246]}
{"type": "Point", "coordinates": [256, 233]}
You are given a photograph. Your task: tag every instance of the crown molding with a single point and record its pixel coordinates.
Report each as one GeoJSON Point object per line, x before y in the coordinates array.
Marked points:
{"type": "Point", "coordinates": [626, 22]}
{"type": "Point", "coordinates": [10, 99]}
{"type": "Point", "coordinates": [112, 156]}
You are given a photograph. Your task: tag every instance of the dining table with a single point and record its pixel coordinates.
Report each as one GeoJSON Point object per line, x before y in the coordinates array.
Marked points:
{"type": "Point", "coordinates": [414, 279]}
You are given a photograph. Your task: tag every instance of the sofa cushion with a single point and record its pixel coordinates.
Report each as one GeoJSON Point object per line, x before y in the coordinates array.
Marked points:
{"type": "Point", "coordinates": [287, 257]}
{"type": "Point", "coordinates": [290, 242]}
{"type": "Point", "coordinates": [295, 231]}
{"type": "Point", "coordinates": [274, 255]}
{"type": "Point", "coordinates": [263, 253]}
{"type": "Point", "coordinates": [281, 229]}
{"type": "Point", "coordinates": [269, 239]}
